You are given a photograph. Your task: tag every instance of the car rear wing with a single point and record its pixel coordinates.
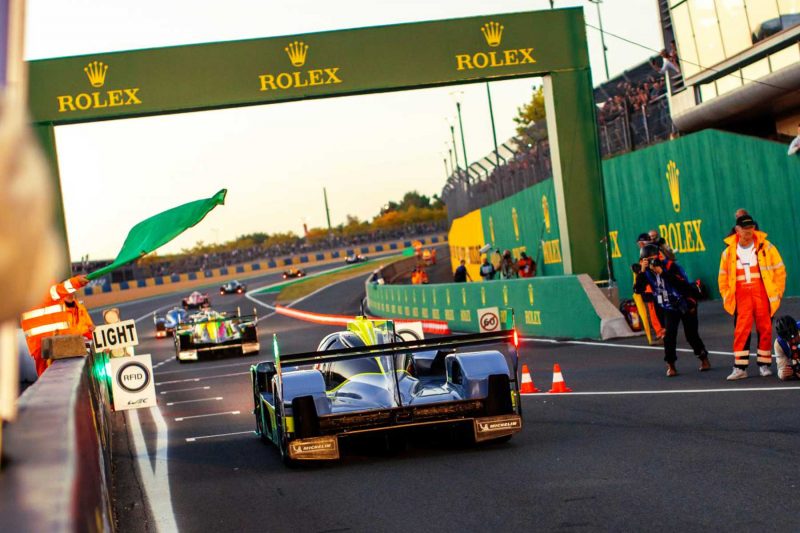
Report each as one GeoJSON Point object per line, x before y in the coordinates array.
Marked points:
{"type": "Point", "coordinates": [240, 318]}
{"type": "Point", "coordinates": [474, 339]}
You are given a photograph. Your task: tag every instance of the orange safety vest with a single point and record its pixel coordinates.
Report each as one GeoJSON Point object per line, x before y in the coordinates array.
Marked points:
{"type": "Point", "coordinates": [52, 317]}
{"type": "Point", "coordinates": [771, 271]}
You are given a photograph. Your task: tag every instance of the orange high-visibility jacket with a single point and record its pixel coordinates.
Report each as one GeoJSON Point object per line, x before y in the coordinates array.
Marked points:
{"type": "Point", "coordinates": [773, 272]}
{"type": "Point", "coordinates": [52, 317]}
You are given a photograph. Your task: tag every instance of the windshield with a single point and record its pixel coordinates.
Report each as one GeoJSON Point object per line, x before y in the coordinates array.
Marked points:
{"type": "Point", "coordinates": [379, 368]}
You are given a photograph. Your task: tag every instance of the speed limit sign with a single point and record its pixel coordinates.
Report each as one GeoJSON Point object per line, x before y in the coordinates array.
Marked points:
{"type": "Point", "coordinates": [489, 319]}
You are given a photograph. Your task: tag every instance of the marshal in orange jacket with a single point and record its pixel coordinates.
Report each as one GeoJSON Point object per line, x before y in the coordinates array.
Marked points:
{"type": "Point", "coordinates": [53, 317]}
{"type": "Point", "coordinates": [773, 271]}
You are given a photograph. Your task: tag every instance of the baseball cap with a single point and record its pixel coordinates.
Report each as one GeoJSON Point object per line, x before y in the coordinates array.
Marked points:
{"type": "Point", "coordinates": [643, 237]}
{"type": "Point", "coordinates": [745, 221]}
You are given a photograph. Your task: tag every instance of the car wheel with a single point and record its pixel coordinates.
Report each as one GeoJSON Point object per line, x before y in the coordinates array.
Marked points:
{"type": "Point", "coordinates": [260, 422]}
{"type": "Point", "coordinates": [180, 361]}
{"type": "Point", "coordinates": [283, 446]}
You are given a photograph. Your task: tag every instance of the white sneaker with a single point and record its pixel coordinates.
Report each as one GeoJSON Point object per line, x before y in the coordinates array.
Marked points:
{"type": "Point", "coordinates": [737, 373]}
{"type": "Point", "coordinates": [764, 371]}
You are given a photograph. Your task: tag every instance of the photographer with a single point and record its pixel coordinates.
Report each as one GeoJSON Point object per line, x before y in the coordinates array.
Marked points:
{"type": "Point", "coordinates": [677, 298]}
{"type": "Point", "coordinates": [663, 247]}
{"type": "Point", "coordinates": [787, 348]}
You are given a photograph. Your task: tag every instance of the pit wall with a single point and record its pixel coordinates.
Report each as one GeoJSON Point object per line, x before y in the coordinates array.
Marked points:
{"type": "Point", "coordinates": [553, 306]}
{"type": "Point", "coordinates": [523, 222]}
{"type": "Point", "coordinates": [99, 295]}
{"type": "Point", "coordinates": [690, 188]}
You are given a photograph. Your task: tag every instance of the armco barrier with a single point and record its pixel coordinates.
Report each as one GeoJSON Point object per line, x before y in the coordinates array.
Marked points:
{"type": "Point", "coordinates": [555, 306]}
{"type": "Point", "coordinates": [57, 455]}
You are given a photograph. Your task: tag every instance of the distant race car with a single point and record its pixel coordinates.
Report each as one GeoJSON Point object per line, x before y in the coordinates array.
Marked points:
{"type": "Point", "coordinates": [294, 273]}
{"type": "Point", "coordinates": [166, 323]}
{"type": "Point", "coordinates": [366, 380]}
{"type": "Point", "coordinates": [355, 258]}
{"type": "Point", "coordinates": [233, 287]}
{"type": "Point", "coordinates": [428, 256]}
{"type": "Point", "coordinates": [196, 300]}
{"type": "Point", "coordinates": [212, 333]}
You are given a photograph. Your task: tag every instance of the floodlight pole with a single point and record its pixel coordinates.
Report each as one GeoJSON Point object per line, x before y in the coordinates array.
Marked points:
{"type": "Point", "coordinates": [327, 211]}
{"type": "Point", "coordinates": [452, 164]}
{"type": "Point", "coordinates": [453, 135]}
{"type": "Point", "coordinates": [491, 117]}
{"type": "Point", "coordinates": [446, 173]}
{"type": "Point", "coordinates": [602, 35]}
{"type": "Point", "coordinates": [463, 143]}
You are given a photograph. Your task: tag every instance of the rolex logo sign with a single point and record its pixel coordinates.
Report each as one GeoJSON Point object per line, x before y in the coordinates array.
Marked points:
{"type": "Point", "coordinates": [298, 53]}
{"type": "Point", "coordinates": [96, 73]}
{"type": "Point", "coordinates": [493, 35]}
{"type": "Point", "coordinates": [493, 32]}
{"type": "Point", "coordinates": [673, 179]}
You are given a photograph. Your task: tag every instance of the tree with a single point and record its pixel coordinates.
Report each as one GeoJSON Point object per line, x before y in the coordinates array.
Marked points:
{"type": "Point", "coordinates": [530, 120]}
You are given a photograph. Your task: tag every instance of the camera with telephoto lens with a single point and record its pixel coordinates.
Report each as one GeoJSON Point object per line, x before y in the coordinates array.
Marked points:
{"type": "Point", "coordinates": [656, 262]}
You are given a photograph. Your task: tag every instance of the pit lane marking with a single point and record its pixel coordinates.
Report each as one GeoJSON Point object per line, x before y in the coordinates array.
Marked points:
{"type": "Point", "coordinates": [614, 345]}
{"type": "Point", "coordinates": [201, 368]}
{"type": "Point", "coordinates": [182, 418]}
{"type": "Point", "coordinates": [673, 391]}
{"type": "Point", "coordinates": [183, 390]}
{"type": "Point", "coordinates": [194, 439]}
{"type": "Point", "coordinates": [158, 383]}
{"type": "Point", "coordinates": [214, 399]}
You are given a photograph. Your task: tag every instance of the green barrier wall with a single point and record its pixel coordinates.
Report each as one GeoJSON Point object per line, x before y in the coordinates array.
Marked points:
{"type": "Point", "coordinates": [527, 222]}
{"type": "Point", "coordinates": [690, 188]}
{"type": "Point", "coordinates": [555, 306]}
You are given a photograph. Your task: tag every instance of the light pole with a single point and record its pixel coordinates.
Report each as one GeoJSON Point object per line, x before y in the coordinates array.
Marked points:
{"type": "Point", "coordinates": [491, 117]}
{"type": "Point", "coordinates": [602, 35]}
{"type": "Point", "coordinates": [452, 164]}
{"type": "Point", "coordinates": [461, 127]}
{"type": "Point", "coordinates": [446, 173]}
{"type": "Point", "coordinates": [453, 135]}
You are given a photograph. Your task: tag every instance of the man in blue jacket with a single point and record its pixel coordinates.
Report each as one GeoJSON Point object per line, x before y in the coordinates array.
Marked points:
{"type": "Point", "coordinates": [677, 298]}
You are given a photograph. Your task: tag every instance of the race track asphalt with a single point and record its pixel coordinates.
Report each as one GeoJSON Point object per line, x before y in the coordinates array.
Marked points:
{"type": "Point", "coordinates": [628, 450]}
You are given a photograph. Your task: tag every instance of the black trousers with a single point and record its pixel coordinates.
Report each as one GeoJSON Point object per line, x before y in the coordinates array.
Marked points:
{"type": "Point", "coordinates": [671, 321]}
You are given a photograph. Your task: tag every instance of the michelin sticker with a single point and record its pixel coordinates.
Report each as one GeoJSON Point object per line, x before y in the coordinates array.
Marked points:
{"type": "Point", "coordinates": [132, 382]}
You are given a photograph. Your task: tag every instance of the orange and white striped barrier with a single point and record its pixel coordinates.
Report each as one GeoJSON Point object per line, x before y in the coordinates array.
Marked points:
{"type": "Point", "coordinates": [438, 327]}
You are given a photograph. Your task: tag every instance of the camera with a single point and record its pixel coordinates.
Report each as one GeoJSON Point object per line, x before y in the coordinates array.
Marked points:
{"type": "Point", "coordinates": [656, 262]}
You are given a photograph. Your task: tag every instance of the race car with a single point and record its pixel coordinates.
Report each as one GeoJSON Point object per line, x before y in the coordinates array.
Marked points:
{"type": "Point", "coordinates": [166, 323]}
{"type": "Point", "coordinates": [196, 300]}
{"type": "Point", "coordinates": [294, 273]}
{"type": "Point", "coordinates": [210, 333]}
{"type": "Point", "coordinates": [428, 256]}
{"type": "Point", "coordinates": [367, 380]}
{"type": "Point", "coordinates": [355, 258]}
{"type": "Point", "coordinates": [233, 287]}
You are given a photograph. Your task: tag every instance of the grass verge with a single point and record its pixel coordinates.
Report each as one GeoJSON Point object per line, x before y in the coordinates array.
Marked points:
{"type": "Point", "coordinates": [306, 286]}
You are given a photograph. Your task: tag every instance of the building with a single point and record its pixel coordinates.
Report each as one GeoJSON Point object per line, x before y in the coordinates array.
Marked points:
{"type": "Point", "coordinates": [740, 61]}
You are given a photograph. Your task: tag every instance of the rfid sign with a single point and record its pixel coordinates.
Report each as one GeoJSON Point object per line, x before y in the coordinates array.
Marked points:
{"type": "Point", "coordinates": [132, 382]}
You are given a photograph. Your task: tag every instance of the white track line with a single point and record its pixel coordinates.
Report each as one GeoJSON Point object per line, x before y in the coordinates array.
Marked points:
{"type": "Point", "coordinates": [683, 391]}
{"type": "Point", "coordinates": [200, 379]}
{"type": "Point", "coordinates": [202, 368]}
{"type": "Point", "coordinates": [182, 418]}
{"type": "Point", "coordinates": [155, 476]}
{"type": "Point", "coordinates": [183, 390]}
{"type": "Point", "coordinates": [193, 439]}
{"type": "Point", "coordinates": [214, 399]}
{"type": "Point", "coordinates": [613, 345]}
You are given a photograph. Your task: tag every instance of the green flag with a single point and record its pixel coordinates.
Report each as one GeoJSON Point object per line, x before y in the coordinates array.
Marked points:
{"type": "Point", "coordinates": [158, 230]}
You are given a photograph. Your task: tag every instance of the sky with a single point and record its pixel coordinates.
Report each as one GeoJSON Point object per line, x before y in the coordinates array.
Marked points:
{"type": "Point", "coordinates": [275, 159]}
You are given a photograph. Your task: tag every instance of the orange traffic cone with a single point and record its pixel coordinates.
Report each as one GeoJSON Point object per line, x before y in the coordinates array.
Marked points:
{"type": "Point", "coordinates": [558, 381]}
{"type": "Point", "coordinates": [527, 386]}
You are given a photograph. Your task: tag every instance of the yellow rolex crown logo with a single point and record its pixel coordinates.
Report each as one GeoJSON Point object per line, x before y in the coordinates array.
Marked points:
{"type": "Point", "coordinates": [673, 179]}
{"type": "Point", "coordinates": [493, 32]}
{"type": "Point", "coordinates": [297, 53]}
{"type": "Point", "coordinates": [96, 72]}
